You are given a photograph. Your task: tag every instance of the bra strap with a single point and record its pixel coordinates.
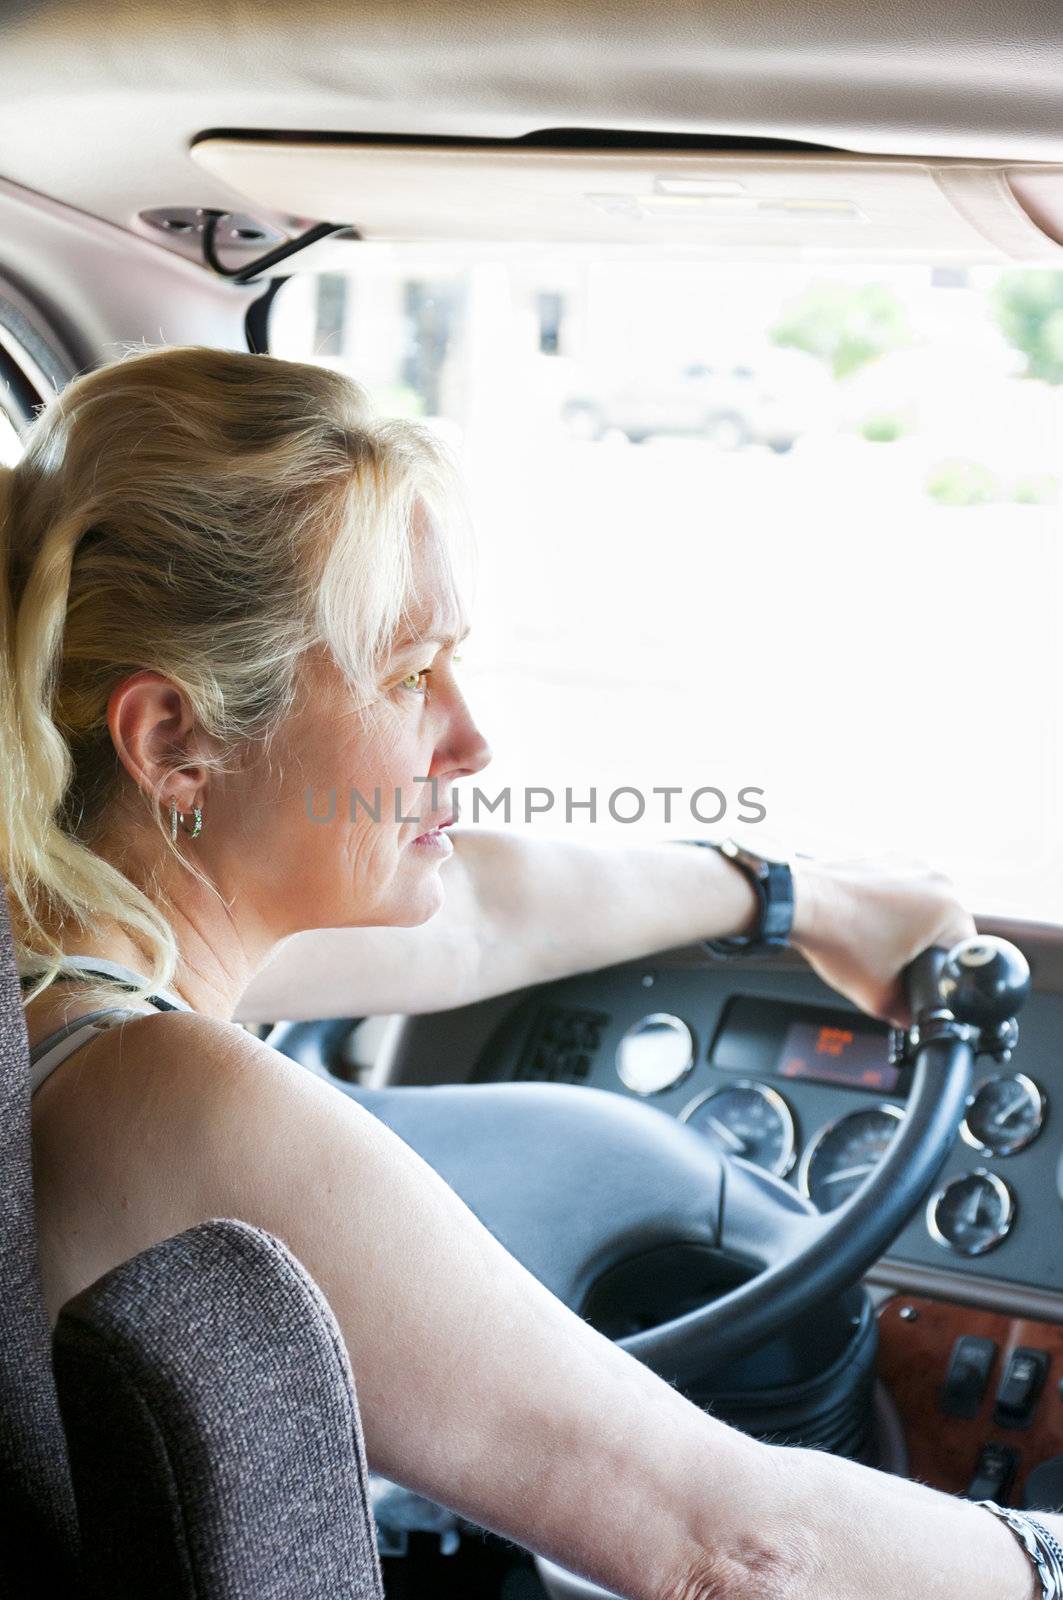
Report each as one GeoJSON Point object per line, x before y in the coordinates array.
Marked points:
{"type": "Point", "coordinates": [99, 967]}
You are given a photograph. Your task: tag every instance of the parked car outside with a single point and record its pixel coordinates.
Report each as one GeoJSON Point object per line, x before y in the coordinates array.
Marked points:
{"type": "Point", "coordinates": [731, 403]}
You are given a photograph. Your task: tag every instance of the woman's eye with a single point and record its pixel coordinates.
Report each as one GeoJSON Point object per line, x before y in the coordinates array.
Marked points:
{"type": "Point", "coordinates": [417, 682]}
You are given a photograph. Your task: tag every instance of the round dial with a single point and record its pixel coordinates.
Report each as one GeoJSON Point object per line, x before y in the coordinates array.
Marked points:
{"type": "Point", "coordinates": [971, 1213]}
{"type": "Point", "coordinates": [655, 1053]}
{"type": "Point", "coordinates": [843, 1154]}
{"type": "Point", "coordinates": [746, 1119]}
{"type": "Point", "coordinates": [1004, 1114]}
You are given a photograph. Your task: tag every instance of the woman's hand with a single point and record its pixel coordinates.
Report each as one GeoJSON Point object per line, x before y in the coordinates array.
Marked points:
{"type": "Point", "coordinates": [859, 923]}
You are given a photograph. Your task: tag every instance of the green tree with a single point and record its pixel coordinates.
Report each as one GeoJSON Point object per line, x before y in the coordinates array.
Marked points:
{"type": "Point", "coordinates": [844, 326]}
{"type": "Point", "coordinates": [1029, 310]}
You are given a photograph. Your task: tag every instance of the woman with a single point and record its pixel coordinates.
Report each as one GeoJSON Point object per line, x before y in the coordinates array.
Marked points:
{"type": "Point", "coordinates": [229, 587]}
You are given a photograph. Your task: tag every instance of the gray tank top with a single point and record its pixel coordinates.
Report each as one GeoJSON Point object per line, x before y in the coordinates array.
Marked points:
{"type": "Point", "coordinates": [47, 1055]}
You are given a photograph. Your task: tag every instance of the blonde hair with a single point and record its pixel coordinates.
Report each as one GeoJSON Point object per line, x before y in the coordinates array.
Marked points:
{"type": "Point", "coordinates": [210, 516]}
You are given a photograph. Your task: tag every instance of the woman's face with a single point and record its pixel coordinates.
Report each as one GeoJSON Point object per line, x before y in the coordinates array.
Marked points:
{"type": "Point", "coordinates": [314, 854]}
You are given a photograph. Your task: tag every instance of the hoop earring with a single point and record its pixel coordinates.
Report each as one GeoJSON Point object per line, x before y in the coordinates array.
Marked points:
{"type": "Point", "coordinates": [179, 816]}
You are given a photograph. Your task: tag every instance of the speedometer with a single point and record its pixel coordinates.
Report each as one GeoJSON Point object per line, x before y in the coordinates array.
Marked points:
{"type": "Point", "coordinates": [844, 1154]}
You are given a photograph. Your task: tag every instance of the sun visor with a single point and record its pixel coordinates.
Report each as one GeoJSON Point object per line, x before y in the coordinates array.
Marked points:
{"type": "Point", "coordinates": [792, 205]}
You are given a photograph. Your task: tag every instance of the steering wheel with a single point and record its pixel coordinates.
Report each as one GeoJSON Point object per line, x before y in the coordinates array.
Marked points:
{"type": "Point", "coordinates": [574, 1181]}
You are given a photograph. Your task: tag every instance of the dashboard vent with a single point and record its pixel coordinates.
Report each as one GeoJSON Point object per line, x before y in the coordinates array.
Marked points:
{"type": "Point", "coordinates": [560, 1046]}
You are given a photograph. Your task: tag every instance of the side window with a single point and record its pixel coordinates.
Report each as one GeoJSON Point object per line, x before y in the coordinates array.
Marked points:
{"type": "Point", "coordinates": [30, 371]}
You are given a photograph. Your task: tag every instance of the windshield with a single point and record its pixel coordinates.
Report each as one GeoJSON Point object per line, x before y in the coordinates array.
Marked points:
{"type": "Point", "coordinates": [782, 539]}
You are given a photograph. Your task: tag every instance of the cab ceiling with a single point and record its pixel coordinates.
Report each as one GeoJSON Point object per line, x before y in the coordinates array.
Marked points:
{"type": "Point", "coordinates": [100, 102]}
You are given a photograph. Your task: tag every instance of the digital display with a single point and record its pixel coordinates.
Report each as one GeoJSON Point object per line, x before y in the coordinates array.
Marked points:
{"type": "Point", "coordinates": [836, 1053]}
{"type": "Point", "coordinates": [758, 1036]}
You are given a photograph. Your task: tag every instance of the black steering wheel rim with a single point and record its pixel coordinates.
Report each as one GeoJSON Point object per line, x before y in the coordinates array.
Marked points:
{"type": "Point", "coordinates": [535, 1162]}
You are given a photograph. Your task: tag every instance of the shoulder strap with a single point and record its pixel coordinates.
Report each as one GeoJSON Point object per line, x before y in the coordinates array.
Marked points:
{"type": "Point", "coordinates": [73, 968]}
{"type": "Point", "coordinates": [48, 1053]}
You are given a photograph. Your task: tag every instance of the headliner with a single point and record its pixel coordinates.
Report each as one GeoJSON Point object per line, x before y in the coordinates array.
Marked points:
{"type": "Point", "coordinates": [100, 102]}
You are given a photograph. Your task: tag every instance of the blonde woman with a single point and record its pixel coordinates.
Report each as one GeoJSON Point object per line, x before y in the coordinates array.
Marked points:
{"type": "Point", "coordinates": [225, 583]}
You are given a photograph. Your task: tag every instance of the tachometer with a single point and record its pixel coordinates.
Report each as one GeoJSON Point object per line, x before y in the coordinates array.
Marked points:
{"type": "Point", "coordinates": [844, 1154]}
{"type": "Point", "coordinates": [746, 1119]}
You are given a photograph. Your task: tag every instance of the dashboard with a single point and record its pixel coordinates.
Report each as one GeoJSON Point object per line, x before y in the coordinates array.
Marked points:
{"type": "Point", "coordinates": [776, 1069]}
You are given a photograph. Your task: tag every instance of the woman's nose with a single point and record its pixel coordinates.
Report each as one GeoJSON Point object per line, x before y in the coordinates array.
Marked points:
{"type": "Point", "coordinates": [484, 753]}
{"type": "Point", "coordinates": [466, 750]}
{"type": "Point", "coordinates": [475, 752]}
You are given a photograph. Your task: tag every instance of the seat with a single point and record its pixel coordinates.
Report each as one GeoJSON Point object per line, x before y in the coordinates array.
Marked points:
{"type": "Point", "coordinates": [191, 1429]}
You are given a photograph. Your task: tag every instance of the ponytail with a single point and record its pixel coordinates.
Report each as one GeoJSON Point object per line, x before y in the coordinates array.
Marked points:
{"type": "Point", "coordinates": [36, 854]}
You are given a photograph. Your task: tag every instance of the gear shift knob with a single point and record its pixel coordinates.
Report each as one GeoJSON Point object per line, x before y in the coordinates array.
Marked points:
{"type": "Point", "coordinates": [984, 980]}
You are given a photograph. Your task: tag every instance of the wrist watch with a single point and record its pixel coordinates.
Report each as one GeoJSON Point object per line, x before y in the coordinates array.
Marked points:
{"type": "Point", "coordinates": [773, 885]}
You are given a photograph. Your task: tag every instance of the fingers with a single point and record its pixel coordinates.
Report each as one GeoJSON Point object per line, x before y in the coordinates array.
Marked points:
{"type": "Point", "coordinates": [863, 922]}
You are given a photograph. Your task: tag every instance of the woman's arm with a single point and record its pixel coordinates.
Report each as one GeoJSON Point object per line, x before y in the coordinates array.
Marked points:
{"type": "Point", "coordinates": [477, 1387]}
{"type": "Point", "coordinates": [518, 910]}
{"type": "Point", "coordinates": [873, 1536]}
{"type": "Point", "coordinates": [522, 910]}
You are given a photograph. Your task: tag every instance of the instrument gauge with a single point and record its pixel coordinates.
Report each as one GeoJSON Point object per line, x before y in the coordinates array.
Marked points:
{"type": "Point", "coordinates": [972, 1213]}
{"type": "Point", "coordinates": [655, 1053]}
{"type": "Point", "coordinates": [1004, 1114]}
{"type": "Point", "coordinates": [746, 1119]}
{"type": "Point", "coordinates": [843, 1155]}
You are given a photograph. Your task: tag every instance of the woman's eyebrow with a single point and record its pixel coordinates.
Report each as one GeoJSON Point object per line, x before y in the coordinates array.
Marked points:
{"type": "Point", "coordinates": [418, 641]}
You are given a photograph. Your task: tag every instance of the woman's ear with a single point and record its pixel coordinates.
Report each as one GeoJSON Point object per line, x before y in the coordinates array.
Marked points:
{"type": "Point", "coordinates": [153, 730]}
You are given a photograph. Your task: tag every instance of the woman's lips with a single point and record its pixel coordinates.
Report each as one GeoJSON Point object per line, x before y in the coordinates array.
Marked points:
{"type": "Point", "coordinates": [436, 839]}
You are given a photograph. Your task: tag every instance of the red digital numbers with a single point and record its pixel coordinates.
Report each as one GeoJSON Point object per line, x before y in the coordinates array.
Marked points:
{"type": "Point", "coordinates": [832, 1041]}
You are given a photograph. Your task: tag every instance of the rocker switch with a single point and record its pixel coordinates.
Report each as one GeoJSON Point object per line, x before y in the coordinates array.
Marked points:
{"type": "Point", "coordinates": [994, 1474]}
{"type": "Point", "coordinates": [1020, 1386]}
{"type": "Point", "coordinates": [967, 1375]}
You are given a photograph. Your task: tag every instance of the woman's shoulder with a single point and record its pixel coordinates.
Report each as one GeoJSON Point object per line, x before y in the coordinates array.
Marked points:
{"type": "Point", "coordinates": [205, 1052]}
{"type": "Point", "coordinates": [171, 1118]}
{"type": "Point", "coordinates": [166, 1055]}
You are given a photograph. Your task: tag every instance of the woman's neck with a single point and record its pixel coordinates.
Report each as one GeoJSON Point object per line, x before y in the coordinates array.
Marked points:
{"type": "Point", "coordinates": [216, 958]}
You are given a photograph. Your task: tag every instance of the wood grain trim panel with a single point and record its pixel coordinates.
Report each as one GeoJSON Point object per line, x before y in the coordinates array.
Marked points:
{"type": "Point", "coordinates": [913, 1356]}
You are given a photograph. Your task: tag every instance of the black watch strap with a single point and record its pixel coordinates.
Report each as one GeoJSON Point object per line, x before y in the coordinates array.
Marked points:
{"type": "Point", "coordinates": [773, 885]}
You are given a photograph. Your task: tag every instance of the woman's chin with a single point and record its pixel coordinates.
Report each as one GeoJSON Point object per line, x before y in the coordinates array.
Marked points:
{"type": "Point", "coordinates": [422, 900]}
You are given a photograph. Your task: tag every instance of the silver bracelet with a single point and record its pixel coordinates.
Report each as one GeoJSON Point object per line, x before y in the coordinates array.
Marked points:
{"type": "Point", "coordinates": [1040, 1545]}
